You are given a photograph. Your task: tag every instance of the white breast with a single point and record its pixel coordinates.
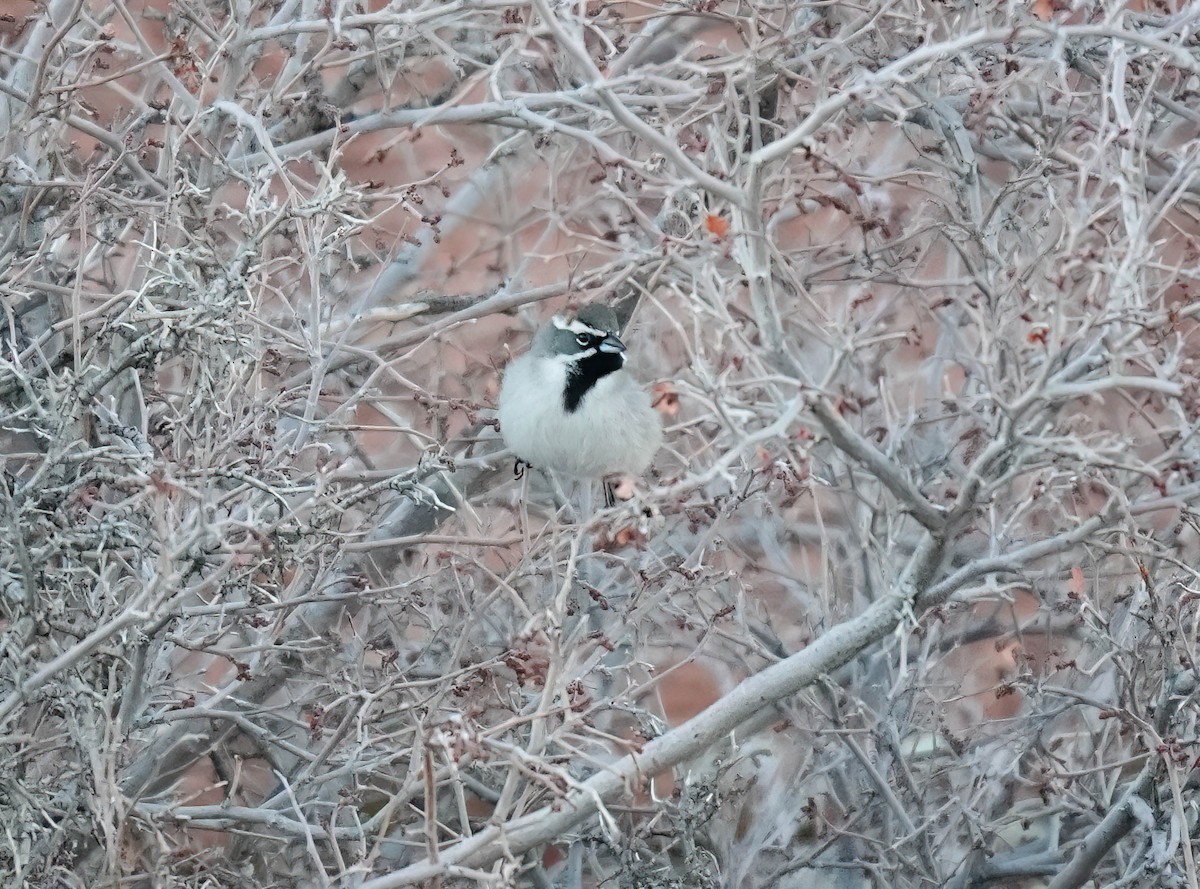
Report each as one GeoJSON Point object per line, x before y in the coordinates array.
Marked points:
{"type": "Point", "coordinates": [613, 430]}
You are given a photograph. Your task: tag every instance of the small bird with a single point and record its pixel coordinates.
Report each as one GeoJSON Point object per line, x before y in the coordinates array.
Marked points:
{"type": "Point", "coordinates": [569, 404]}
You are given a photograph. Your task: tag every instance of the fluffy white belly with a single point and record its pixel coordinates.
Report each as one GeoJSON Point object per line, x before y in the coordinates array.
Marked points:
{"type": "Point", "coordinates": [614, 429]}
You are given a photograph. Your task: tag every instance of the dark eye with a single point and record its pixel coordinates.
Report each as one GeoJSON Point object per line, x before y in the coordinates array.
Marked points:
{"type": "Point", "coordinates": [583, 339]}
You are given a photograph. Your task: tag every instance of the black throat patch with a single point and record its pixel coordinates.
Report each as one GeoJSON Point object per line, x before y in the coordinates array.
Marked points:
{"type": "Point", "coordinates": [585, 374]}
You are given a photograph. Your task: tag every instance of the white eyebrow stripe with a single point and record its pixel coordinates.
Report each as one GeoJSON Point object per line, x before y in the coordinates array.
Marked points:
{"type": "Point", "coordinates": [576, 326]}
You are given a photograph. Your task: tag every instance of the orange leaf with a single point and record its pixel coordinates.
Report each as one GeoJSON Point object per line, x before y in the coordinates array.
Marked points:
{"type": "Point", "coordinates": [717, 224]}
{"type": "Point", "coordinates": [624, 489]}
{"type": "Point", "coordinates": [665, 399]}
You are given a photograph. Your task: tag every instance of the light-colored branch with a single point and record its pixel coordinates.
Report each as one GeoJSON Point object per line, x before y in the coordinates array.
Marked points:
{"type": "Point", "coordinates": [668, 146]}
{"type": "Point", "coordinates": [832, 649]}
{"type": "Point", "coordinates": [884, 469]}
{"type": "Point", "coordinates": [130, 616]}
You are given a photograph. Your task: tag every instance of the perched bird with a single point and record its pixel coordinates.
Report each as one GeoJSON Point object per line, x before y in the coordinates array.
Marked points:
{"type": "Point", "coordinates": [569, 404]}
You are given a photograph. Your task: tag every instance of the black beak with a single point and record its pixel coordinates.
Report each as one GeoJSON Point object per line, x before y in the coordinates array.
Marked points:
{"type": "Point", "coordinates": [611, 344]}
